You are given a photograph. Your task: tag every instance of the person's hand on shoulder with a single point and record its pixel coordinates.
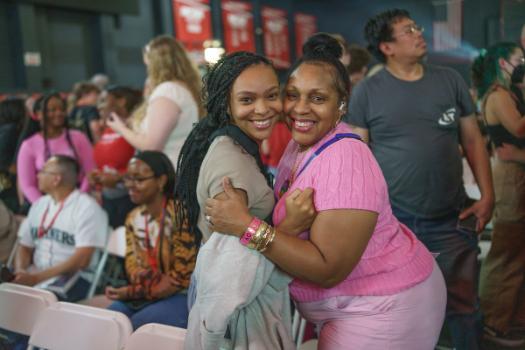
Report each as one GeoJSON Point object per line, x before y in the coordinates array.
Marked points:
{"type": "Point", "coordinates": [229, 214]}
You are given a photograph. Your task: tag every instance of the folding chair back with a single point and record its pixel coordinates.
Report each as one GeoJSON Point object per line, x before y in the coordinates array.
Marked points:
{"type": "Point", "coordinates": [115, 245]}
{"type": "Point", "coordinates": [117, 242]}
{"type": "Point", "coordinates": [20, 306]}
{"type": "Point", "coordinates": [157, 336]}
{"type": "Point", "coordinates": [64, 326]}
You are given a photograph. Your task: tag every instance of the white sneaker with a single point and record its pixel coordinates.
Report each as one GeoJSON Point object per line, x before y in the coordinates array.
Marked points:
{"type": "Point", "coordinates": [502, 339]}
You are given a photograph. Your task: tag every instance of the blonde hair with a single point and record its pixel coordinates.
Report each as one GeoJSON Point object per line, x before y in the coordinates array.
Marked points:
{"type": "Point", "coordinates": [168, 61]}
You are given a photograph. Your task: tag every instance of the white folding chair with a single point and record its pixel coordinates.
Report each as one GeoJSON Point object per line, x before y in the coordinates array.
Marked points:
{"type": "Point", "coordinates": [298, 326]}
{"type": "Point", "coordinates": [21, 305]}
{"type": "Point", "coordinates": [12, 255]}
{"type": "Point", "coordinates": [115, 245]}
{"type": "Point", "coordinates": [117, 242]}
{"type": "Point", "coordinates": [11, 258]}
{"type": "Point", "coordinates": [65, 326]}
{"type": "Point", "coordinates": [157, 336]}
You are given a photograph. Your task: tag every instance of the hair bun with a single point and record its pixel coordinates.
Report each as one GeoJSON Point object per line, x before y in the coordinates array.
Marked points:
{"type": "Point", "coordinates": [322, 45]}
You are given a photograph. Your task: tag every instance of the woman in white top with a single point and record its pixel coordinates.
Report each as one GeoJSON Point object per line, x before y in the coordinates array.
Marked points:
{"type": "Point", "coordinates": [173, 105]}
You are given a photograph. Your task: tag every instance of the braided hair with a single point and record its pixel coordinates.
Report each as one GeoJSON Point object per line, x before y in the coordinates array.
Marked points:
{"type": "Point", "coordinates": [218, 83]}
{"type": "Point", "coordinates": [45, 103]}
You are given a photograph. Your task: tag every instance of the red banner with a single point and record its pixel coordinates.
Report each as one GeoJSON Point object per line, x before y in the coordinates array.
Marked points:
{"type": "Point", "coordinates": [192, 20]}
{"type": "Point", "coordinates": [237, 20]}
{"type": "Point", "coordinates": [305, 27]}
{"type": "Point", "coordinates": [276, 42]}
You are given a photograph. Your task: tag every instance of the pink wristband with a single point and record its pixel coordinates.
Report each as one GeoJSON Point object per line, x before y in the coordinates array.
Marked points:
{"type": "Point", "coordinates": [250, 231]}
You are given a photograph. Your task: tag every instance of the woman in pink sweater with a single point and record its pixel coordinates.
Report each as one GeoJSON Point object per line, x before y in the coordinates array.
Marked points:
{"type": "Point", "coordinates": [54, 138]}
{"type": "Point", "coordinates": [360, 275]}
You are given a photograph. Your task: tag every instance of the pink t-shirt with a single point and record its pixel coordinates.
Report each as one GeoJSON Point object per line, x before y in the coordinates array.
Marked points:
{"type": "Point", "coordinates": [32, 158]}
{"type": "Point", "coordinates": [346, 176]}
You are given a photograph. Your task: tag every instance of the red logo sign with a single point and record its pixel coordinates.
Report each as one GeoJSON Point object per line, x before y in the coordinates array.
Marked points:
{"type": "Point", "coordinates": [276, 42]}
{"type": "Point", "coordinates": [237, 20]}
{"type": "Point", "coordinates": [305, 27]}
{"type": "Point", "coordinates": [192, 20]}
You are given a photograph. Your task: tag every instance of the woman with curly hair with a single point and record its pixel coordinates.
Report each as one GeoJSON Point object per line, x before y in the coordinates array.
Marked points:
{"type": "Point", "coordinates": [173, 105]}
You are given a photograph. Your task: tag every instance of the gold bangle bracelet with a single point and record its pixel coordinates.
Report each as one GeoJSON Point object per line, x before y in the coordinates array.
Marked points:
{"type": "Point", "coordinates": [264, 237]}
{"type": "Point", "coordinates": [269, 240]}
{"type": "Point", "coordinates": [256, 238]}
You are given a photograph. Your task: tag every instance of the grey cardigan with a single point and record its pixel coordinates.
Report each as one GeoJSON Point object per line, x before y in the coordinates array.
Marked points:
{"type": "Point", "coordinates": [239, 289]}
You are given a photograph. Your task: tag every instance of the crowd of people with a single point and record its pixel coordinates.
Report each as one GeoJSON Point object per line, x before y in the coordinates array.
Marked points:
{"type": "Point", "coordinates": [337, 190]}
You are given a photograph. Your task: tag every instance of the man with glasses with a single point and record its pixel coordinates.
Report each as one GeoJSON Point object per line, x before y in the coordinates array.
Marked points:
{"type": "Point", "coordinates": [413, 114]}
{"type": "Point", "coordinates": [61, 232]}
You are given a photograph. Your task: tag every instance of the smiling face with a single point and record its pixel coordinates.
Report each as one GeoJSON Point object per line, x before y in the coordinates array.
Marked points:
{"type": "Point", "coordinates": [311, 103]}
{"type": "Point", "coordinates": [143, 186]}
{"type": "Point", "coordinates": [254, 101]}
{"type": "Point", "coordinates": [56, 114]}
{"type": "Point", "coordinates": [408, 42]}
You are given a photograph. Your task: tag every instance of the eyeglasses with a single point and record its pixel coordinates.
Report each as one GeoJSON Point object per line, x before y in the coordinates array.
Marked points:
{"type": "Point", "coordinates": [410, 30]}
{"type": "Point", "coordinates": [42, 171]}
{"type": "Point", "coordinates": [136, 180]}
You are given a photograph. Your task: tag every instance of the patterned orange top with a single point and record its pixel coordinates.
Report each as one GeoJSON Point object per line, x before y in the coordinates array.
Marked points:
{"type": "Point", "coordinates": [176, 255]}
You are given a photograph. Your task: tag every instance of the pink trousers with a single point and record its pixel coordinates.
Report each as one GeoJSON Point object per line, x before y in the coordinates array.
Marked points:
{"type": "Point", "coordinates": [411, 319]}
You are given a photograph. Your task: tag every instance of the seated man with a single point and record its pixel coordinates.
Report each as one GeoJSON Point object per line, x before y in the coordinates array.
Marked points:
{"type": "Point", "coordinates": [62, 230]}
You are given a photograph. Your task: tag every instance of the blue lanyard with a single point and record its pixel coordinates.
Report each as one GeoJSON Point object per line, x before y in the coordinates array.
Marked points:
{"type": "Point", "coordinates": [325, 145]}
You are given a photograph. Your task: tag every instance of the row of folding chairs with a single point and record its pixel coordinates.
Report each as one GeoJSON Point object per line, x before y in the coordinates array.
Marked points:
{"type": "Point", "coordinates": [57, 325]}
{"type": "Point", "coordinates": [101, 273]}
{"type": "Point", "coordinates": [115, 246]}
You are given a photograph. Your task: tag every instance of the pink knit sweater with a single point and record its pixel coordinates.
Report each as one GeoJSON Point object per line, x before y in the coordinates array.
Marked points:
{"type": "Point", "coordinates": [31, 159]}
{"type": "Point", "coordinates": [347, 176]}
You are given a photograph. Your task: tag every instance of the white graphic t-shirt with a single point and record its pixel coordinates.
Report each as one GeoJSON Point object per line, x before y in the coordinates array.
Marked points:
{"type": "Point", "coordinates": [80, 223]}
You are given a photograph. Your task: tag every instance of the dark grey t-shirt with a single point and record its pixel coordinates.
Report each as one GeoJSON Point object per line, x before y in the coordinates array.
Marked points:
{"type": "Point", "coordinates": [414, 135]}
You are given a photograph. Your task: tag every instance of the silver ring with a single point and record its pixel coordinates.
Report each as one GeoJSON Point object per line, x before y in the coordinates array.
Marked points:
{"type": "Point", "coordinates": [208, 219]}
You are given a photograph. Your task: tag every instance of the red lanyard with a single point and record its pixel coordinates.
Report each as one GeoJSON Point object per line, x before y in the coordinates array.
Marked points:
{"type": "Point", "coordinates": [153, 253]}
{"type": "Point", "coordinates": [41, 230]}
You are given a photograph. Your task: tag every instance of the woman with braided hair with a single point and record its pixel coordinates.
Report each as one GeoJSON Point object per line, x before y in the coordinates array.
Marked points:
{"type": "Point", "coordinates": [54, 138]}
{"type": "Point", "coordinates": [160, 253]}
{"type": "Point", "coordinates": [242, 299]}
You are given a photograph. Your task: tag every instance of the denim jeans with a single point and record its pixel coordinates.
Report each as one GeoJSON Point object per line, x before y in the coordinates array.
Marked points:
{"type": "Point", "coordinates": [458, 250]}
{"type": "Point", "coordinates": [171, 311]}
